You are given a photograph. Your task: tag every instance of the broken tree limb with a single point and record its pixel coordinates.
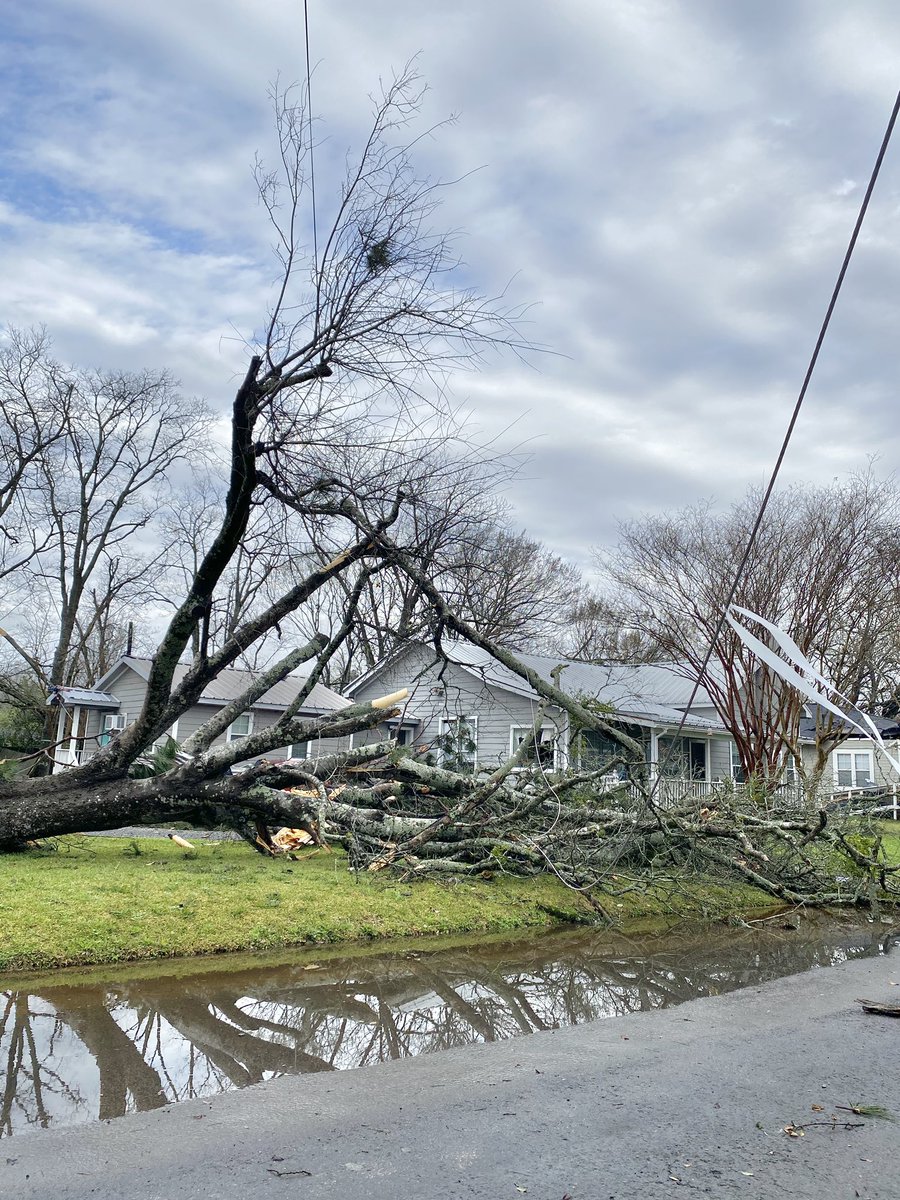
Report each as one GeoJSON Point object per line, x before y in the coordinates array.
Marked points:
{"type": "Point", "coordinates": [883, 1008]}
{"type": "Point", "coordinates": [219, 721]}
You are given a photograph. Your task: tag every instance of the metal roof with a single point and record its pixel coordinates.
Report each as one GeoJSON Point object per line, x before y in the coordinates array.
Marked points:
{"type": "Point", "coordinates": [88, 697]}
{"type": "Point", "coordinates": [650, 693]}
{"type": "Point", "coordinates": [231, 683]}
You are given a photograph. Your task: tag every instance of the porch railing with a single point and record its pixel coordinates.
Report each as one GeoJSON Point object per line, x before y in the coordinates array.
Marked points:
{"type": "Point", "coordinates": [882, 801]}
{"type": "Point", "coordinates": [63, 756]}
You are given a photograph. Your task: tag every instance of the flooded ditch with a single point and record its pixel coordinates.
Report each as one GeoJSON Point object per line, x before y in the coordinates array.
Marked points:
{"type": "Point", "coordinates": [93, 1046]}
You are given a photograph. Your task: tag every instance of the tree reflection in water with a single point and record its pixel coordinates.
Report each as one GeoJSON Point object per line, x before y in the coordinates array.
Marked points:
{"type": "Point", "coordinates": [73, 1054]}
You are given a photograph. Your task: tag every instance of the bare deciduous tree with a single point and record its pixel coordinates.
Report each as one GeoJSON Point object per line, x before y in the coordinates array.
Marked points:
{"type": "Point", "coordinates": [596, 632]}
{"type": "Point", "coordinates": [101, 449]}
{"type": "Point", "coordinates": [34, 397]}
{"type": "Point", "coordinates": [341, 394]}
{"type": "Point", "coordinates": [820, 570]}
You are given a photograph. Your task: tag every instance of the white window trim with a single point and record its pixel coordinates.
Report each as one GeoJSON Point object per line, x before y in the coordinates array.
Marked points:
{"type": "Point", "coordinates": [554, 739]}
{"type": "Point", "coordinates": [734, 761]}
{"type": "Point", "coordinates": [870, 755]}
{"type": "Point", "coordinates": [308, 753]}
{"type": "Point", "coordinates": [239, 737]}
{"type": "Point", "coordinates": [397, 729]}
{"type": "Point", "coordinates": [446, 722]}
{"type": "Point", "coordinates": [110, 724]}
{"type": "Point", "coordinates": [171, 732]}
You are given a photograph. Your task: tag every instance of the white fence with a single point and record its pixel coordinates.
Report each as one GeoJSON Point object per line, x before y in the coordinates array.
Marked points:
{"type": "Point", "coordinates": [882, 801]}
{"type": "Point", "coordinates": [66, 756]}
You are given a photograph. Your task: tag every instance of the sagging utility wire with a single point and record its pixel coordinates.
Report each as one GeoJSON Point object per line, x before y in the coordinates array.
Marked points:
{"type": "Point", "coordinates": [804, 388]}
{"type": "Point", "coordinates": [312, 154]}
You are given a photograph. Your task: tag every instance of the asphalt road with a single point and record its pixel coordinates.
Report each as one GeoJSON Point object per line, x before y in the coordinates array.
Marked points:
{"type": "Point", "coordinates": [146, 831]}
{"type": "Point", "coordinates": [691, 1100]}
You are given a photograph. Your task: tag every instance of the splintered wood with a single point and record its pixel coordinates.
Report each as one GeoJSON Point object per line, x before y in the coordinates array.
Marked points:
{"type": "Point", "coordinates": [287, 840]}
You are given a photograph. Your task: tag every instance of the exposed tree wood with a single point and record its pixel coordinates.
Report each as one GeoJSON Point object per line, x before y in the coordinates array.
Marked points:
{"type": "Point", "coordinates": [881, 1007]}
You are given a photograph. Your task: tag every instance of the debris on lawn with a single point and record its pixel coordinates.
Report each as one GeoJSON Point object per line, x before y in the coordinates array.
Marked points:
{"type": "Point", "coordinates": [287, 840]}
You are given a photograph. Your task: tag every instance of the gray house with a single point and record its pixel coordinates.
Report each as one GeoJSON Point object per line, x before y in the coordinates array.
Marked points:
{"type": "Point", "coordinates": [89, 717]}
{"type": "Point", "coordinates": [471, 712]}
{"type": "Point", "coordinates": [857, 763]}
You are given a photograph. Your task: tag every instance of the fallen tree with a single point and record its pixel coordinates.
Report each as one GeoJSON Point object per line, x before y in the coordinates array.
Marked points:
{"type": "Point", "coordinates": [336, 423]}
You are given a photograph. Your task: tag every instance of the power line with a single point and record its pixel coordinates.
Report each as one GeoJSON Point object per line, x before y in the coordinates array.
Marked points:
{"type": "Point", "coordinates": [764, 503]}
{"type": "Point", "coordinates": [312, 156]}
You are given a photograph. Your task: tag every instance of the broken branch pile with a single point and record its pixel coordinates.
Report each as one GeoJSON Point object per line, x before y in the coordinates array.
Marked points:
{"type": "Point", "coordinates": [399, 811]}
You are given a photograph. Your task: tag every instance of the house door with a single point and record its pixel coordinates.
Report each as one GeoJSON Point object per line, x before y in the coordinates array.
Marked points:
{"type": "Point", "coordinates": [684, 757]}
{"type": "Point", "coordinates": [697, 755]}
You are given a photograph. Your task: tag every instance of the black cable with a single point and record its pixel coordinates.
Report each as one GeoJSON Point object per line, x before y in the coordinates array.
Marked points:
{"type": "Point", "coordinates": [312, 158]}
{"type": "Point", "coordinates": [764, 504]}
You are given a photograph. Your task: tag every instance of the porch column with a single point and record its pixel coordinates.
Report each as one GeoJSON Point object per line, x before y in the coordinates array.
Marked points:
{"type": "Point", "coordinates": [654, 753]}
{"type": "Point", "coordinates": [562, 742]}
{"type": "Point", "coordinates": [58, 752]}
{"type": "Point", "coordinates": [73, 736]}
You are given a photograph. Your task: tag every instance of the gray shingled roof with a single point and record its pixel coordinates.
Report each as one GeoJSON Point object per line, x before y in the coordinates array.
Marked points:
{"type": "Point", "coordinates": [231, 683]}
{"type": "Point", "coordinates": [888, 727]}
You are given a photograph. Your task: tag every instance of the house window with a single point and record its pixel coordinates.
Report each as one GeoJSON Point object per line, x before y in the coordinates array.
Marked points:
{"type": "Point", "coordinates": [853, 768]}
{"type": "Point", "coordinates": [299, 750]}
{"type": "Point", "coordinates": [240, 727]}
{"type": "Point", "coordinates": [595, 750]}
{"type": "Point", "coordinates": [401, 734]}
{"type": "Point", "coordinates": [542, 751]}
{"type": "Point", "coordinates": [737, 769]}
{"type": "Point", "coordinates": [458, 744]}
{"type": "Point", "coordinates": [112, 723]}
{"type": "Point", "coordinates": [171, 732]}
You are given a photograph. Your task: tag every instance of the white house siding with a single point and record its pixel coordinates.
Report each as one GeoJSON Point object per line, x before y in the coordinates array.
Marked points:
{"type": "Point", "coordinates": [129, 689]}
{"type": "Point", "coordinates": [883, 774]}
{"type": "Point", "coordinates": [460, 695]}
{"type": "Point", "coordinates": [720, 758]}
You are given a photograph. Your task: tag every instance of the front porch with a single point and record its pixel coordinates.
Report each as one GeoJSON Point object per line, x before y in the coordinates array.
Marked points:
{"type": "Point", "coordinates": [86, 717]}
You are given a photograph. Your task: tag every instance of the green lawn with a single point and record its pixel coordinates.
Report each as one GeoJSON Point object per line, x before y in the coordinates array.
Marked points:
{"type": "Point", "coordinates": [890, 836]}
{"type": "Point", "coordinates": [106, 900]}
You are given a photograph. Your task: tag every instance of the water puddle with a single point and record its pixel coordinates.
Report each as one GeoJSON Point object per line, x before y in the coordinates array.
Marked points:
{"type": "Point", "coordinates": [75, 1049]}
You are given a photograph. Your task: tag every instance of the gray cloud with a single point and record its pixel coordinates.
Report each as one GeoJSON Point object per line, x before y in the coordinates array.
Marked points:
{"type": "Point", "coordinates": [670, 184]}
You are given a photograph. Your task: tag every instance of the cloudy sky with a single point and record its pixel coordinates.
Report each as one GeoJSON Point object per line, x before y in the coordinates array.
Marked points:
{"type": "Point", "coordinates": [669, 183]}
